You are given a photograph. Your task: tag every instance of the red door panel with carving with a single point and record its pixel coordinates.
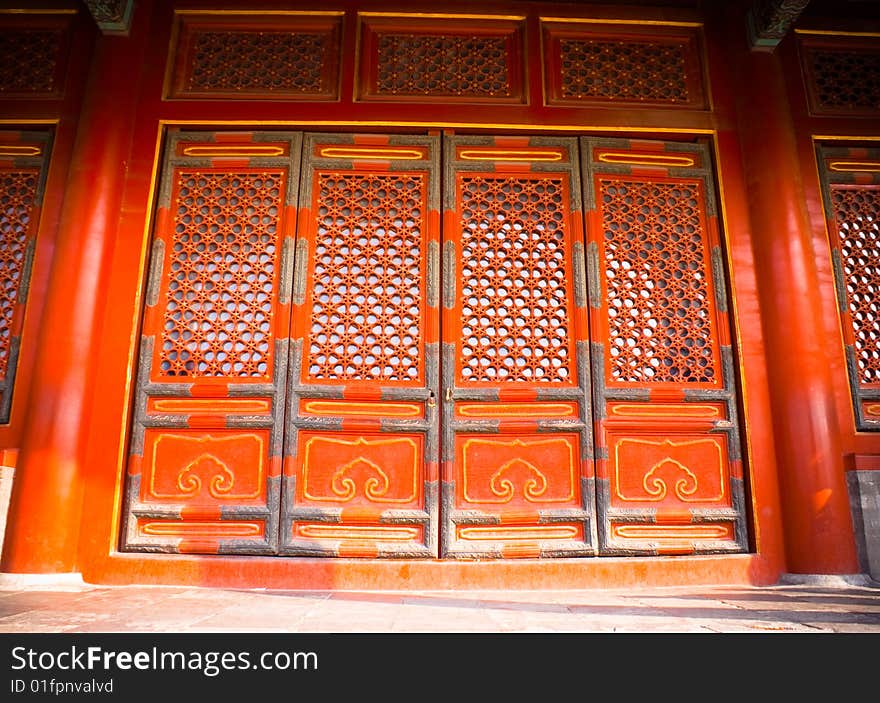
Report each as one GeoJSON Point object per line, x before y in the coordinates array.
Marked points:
{"type": "Point", "coordinates": [669, 469]}
{"type": "Point", "coordinates": [517, 454]}
{"type": "Point", "coordinates": [360, 469]}
{"type": "Point", "coordinates": [204, 468]}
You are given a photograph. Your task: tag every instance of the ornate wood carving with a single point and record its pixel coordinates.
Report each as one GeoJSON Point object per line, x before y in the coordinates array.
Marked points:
{"type": "Point", "coordinates": [111, 16]}
{"type": "Point", "coordinates": [768, 21]}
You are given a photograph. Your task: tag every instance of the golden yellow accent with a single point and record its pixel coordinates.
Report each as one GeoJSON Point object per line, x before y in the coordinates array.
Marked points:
{"type": "Point", "coordinates": [835, 33]}
{"type": "Point", "coordinates": [652, 23]}
{"type": "Point", "coordinates": [439, 15]}
{"type": "Point", "coordinates": [612, 157]}
{"type": "Point", "coordinates": [686, 410]}
{"type": "Point", "coordinates": [533, 488]}
{"type": "Point", "coordinates": [509, 155]}
{"type": "Point", "coordinates": [373, 487]}
{"type": "Point", "coordinates": [358, 532]}
{"type": "Point", "coordinates": [37, 11]}
{"type": "Point", "coordinates": [201, 529]}
{"type": "Point", "coordinates": [221, 482]}
{"type": "Point", "coordinates": [873, 409]}
{"type": "Point", "coordinates": [341, 407]}
{"type": "Point", "coordinates": [194, 405]}
{"type": "Point", "coordinates": [230, 150]}
{"type": "Point", "coordinates": [676, 532]}
{"type": "Point", "coordinates": [535, 532]}
{"type": "Point", "coordinates": [682, 489]}
{"type": "Point", "coordinates": [19, 150]}
{"type": "Point", "coordinates": [340, 152]}
{"type": "Point", "coordinates": [260, 13]}
{"type": "Point", "coordinates": [845, 138]}
{"type": "Point", "coordinates": [506, 126]}
{"type": "Point", "coordinates": [857, 166]}
{"type": "Point", "coordinates": [516, 410]}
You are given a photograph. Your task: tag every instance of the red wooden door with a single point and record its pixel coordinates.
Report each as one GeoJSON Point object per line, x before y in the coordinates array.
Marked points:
{"type": "Point", "coordinates": [669, 469]}
{"type": "Point", "coordinates": [517, 454]}
{"type": "Point", "coordinates": [360, 470]}
{"type": "Point", "coordinates": [204, 465]}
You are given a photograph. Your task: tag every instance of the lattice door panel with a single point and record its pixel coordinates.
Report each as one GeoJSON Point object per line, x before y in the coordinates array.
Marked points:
{"type": "Point", "coordinates": [24, 159]}
{"type": "Point", "coordinates": [669, 467]}
{"type": "Point", "coordinates": [204, 470]}
{"type": "Point", "coordinates": [517, 454]}
{"type": "Point", "coordinates": [360, 469]}
{"type": "Point", "coordinates": [851, 194]}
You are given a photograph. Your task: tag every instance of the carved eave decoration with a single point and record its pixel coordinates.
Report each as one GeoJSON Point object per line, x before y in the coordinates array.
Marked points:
{"type": "Point", "coordinates": [111, 16]}
{"type": "Point", "coordinates": [770, 20]}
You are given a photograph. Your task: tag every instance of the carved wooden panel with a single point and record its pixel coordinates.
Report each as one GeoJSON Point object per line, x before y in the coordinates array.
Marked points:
{"type": "Point", "coordinates": [614, 64]}
{"type": "Point", "coordinates": [841, 74]}
{"type": "Point", "coordinates": [282, 55]}
{"type": "Point", "coordinates": [204, 470]}
{"type": "Point", "coordinates": [669, 464]}
{"type": "Point", "coordinates": [851, 194]}
{"type": "Point", "coordinates": [517, 453]}
{"type": "Point", "coordinates": [24, 161]}
{"type": "Point", "coordinates": [360, 476]}
{"type": "Point", "coordinates": [34, 51]}
{"type": "Point", "coordinates": [413, 59]}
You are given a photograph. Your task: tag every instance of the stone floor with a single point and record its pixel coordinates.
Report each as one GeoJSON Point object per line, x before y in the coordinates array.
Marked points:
{"type": "Point", "coordinates": [802, 604]}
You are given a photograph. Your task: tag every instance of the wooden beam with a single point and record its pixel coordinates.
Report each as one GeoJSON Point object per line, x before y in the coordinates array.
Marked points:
{"type": "Point", "coordinates": [111, 16]}
{"type": "Point", "coordinates": [768, 21]}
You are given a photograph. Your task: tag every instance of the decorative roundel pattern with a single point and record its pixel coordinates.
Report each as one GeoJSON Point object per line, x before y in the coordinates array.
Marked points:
{"type": "Point", "coordinates": [221, 275]}
{"type": "Point", "coordinates": [857, 211]}
{"type": "Point", "coordinates": [17, 193]}
{"type": "Point", "coordinates": [659, 314]}
{"type": "Point", "coordinates": [513, 282]}
{"type": "Point", "coordinates": [368, 281]}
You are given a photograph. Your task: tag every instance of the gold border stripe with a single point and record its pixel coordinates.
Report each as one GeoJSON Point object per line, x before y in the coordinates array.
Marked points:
{"type": "Point", "coordinates": [329, 407]}
{"type": "Point", "coordinates": [201, 529]}
{"type": "Point", "coordinates": [614, 157]}
{"type": "Point", "coordinates": [220, 150]}
{"type": "Point", "coordinates": [397, 534]}
{"type": "Point", "coordinates": [529, 533]}
{"type": "Point", "coordinates": [633, 410]}
{"type": "Point", "coordinates": [337, 152]}
{"type": "Point", "coordinates": [509, 155]}
{"type": "Point", "coordinates": [15, 150]}
{"type": "Point", "coordinates": [860, 166]}
{"type": "Point", "coordinates": [671, 531]}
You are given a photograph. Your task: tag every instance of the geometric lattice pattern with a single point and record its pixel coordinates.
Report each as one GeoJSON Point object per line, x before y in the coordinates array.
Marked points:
{"type": "Point", "coordinates": [659, 317]}
{"type": "Point", "coordinates": [623, 70]}
{"type": "Point", "coordinates": [857, 214]}
{"type": "Point", "coordinates": [513, 283]}
{"type": "Point", "coordinates": [221, 282]}
{"type": "Point", "coordinates": [17, 195]}
{"type": "Point", "coordinates": [28, 61]}
{"type": "Point", "coordinates": [367, 283]}
{"type": "Point", "coordinates": [846, 80]}
{"type": "Point", "coordinates": [289, 62]}
{"type": "Point", "coordinates": [438, 64]}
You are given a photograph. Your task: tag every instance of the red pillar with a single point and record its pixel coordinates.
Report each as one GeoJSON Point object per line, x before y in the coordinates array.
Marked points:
{"type": "Point", "coordinates": [46, 503]}
{"type": "Point", "coordinates": [815, 506]}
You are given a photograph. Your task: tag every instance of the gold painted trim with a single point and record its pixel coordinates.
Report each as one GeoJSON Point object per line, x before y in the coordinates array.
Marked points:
{"type": "Point", "coordinates": [634, 410]}
{"type": "Point", "coordinates": [517, 409]}
{"type": "Point", "coordinates": [873, 409]}
{"type": "Point", "coordinates": [517, 443]}
{"type": "Point", "coordinates": [611, 157]}
{"type": "Point", "coordinates": [835, 33]}
{"type": "Point", "coordinates": [505, 126]}
{"type": "Point", "coordinates": [38, 11]}
{"type": "Point", "coordinates": [509, 155]}
{"type": "Point", "coordinates": [846, 166]}
{"type": "Point", "coordinates": [666, 443]}
{"type": "Point", "coordinates": [373, 153]}
{"type": "Point", "coordinates": [201, 529]}
{"type": "Point", "coordinates": [441, 15]}
{"type": "Point", "coordinates": [356, 532]}
{"type": "Point", "coordinates": [687, 532]}
{"type": "Point", "coordinates": [259, 13]}
{"type": "Point", "coordinates": [330, 407]}
{"type": "Point", "coordinates": [208, 406]}
{"type": "Point", "coordinates": [535, 532]}
{"type": "Point", "coordinates": [650, 23]}
{"type": "Point", "coordinates": [339, 469]}
{"type": "Point", "coordinates": [19, 150]}
{"type": "Point", "coordinates": [222, 150]}
{"type": "Point", "coordinates": [844, 138]}
{"type": "Point", "coordinates": [29, 122]}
